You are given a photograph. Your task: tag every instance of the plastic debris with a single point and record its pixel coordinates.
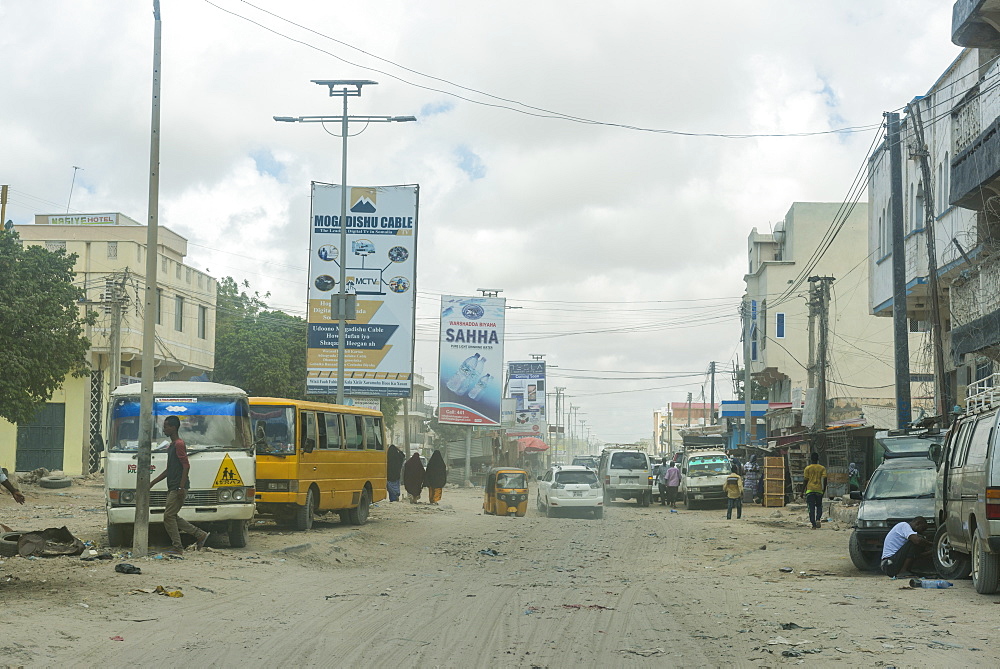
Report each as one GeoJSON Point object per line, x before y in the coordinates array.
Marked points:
{"type": "Point", "coordinates": [126, 568]}
{"type": "Point", "coordinates": [160, 590]}
{"type": "Point", "coordinates": [489, 551]}
{"type": "Point", "coordinates": [787, 570]}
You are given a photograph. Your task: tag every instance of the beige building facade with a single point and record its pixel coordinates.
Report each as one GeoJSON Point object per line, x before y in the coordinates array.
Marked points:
{"type": "Point", "coordinates": [110, 266]}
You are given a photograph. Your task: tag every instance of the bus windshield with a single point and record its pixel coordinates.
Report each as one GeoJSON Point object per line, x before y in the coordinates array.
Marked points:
{"type": "Point", "coordinates": [207, 423]}
{"type": "Point", "coordinates": [273, 429]}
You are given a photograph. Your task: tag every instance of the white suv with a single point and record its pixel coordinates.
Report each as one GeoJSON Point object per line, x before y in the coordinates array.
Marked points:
{"type": "Point", "coordinates": [570, 487]}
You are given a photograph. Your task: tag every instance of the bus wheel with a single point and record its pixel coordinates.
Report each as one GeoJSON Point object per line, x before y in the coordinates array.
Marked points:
{"type": "Point", "coordinates": [359, 514]}
{"type": "Point", "coordinates": [304, 514]}
{"type": "Point", "coordinates": [239, 533]}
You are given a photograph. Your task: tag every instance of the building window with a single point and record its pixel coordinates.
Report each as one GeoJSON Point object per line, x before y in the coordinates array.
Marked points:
{"type": "Point", "coordinates": [202, 321]}
{"type": "Point", "coordinates": [753, 350]}
{"type": "Point", "coordinates": [779, 326]}
{"type": "Point", "coordinates": [163, 265]}
{"type": "Point", "coordinates": [112, 250]}
{"type": "Point", "coordinates": [159, 306]}
{"type": "Point", "coordinates": [187, 274]}
{"type": "Point", "coordinates": [179, 314]}
{"type": "Point", "coordinates": [177, 270]}
{"type": "Point", "coordinates": [55, 246]}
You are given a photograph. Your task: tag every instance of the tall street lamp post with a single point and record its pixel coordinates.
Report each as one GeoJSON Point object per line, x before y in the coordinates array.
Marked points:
{"type": "Point", "coordinates": [343, 88]}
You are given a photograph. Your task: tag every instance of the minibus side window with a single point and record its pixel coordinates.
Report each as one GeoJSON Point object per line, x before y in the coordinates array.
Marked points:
{"type": "Point", "coordinates": [354, 435]}
{"type": "Point", "coordinates": [980, 440]}
{"type": "Point", "coordinates": [373, 433]}
{"type": "Point", "coordinates": [961, 443]}
{"type": "Point", "coordinates": [333, 437]}
{"type": "Point", "coordinates": [308, 431]}
{"type": "Point", "coordinates": [321, 423]}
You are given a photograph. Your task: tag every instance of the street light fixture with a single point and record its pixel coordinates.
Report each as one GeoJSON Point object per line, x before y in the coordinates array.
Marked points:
{"type": "Point", "coordinates": [343, 88]}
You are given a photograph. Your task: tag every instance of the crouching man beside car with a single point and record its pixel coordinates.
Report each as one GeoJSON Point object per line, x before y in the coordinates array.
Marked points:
{"type": "Point", "coordinates": [904, 543]}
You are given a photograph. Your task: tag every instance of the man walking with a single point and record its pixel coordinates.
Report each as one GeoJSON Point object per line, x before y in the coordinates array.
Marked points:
{"type": "Point", "coordinates": [813, 488]}
{"type": "Point", "coordinates": [176, 474]}
{"type": "Point", "coordinates": [734, 494]}
{"type": "Point", "coordinates": [661, 482]}
{"type": "Point", "coordinates": [672, 480]}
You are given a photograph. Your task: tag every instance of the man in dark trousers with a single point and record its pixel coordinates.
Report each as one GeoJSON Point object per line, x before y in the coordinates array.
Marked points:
{"type": "Point", "coordinates": [813, 487]}
{"type": "Point", "coordinates": [176, 474]}
{"type": "Point", "coordinates": [902, 545]}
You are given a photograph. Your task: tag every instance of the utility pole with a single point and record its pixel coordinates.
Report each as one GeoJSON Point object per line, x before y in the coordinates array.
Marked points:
{"type": "Point", "coordinates": [711, 369]}
{"type": "Point", "coordinates": [3, 206]}
{"type": "Point", "coordinates": [670, 429]}
{"type": "Point", "coordinates": [942, 400]}
{"type": "Point", "coordinates": [748, 426]}
{"type": "Point", "coordinates": [813, 305]}
{"type": "Point", "coordinates": [823, 290]}
{"type": "Point", "coordinates": [899, 325]}
{"type": "Point", "coordinates": [406, 423]}
{"type": "Point", "coordinates": [115, 299]}
{"type": "Point", "coordinates": [689, 410]}
{"type": "Point", "coordinates": [140, 535]}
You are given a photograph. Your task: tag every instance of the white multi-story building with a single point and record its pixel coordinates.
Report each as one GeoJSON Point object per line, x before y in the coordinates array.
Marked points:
{"type": "Point", "coordinates": [110, 266]}
{"type": "Point", "coordinates": [860, 348]}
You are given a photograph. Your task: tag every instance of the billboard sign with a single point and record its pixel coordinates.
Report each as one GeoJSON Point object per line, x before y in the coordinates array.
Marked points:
{"type": "Point", "coordinates": [526, 386]}
{"type": "Point", "coordinates": [380, 270]}
{"type": "Point", "coordinates": [470, 360]}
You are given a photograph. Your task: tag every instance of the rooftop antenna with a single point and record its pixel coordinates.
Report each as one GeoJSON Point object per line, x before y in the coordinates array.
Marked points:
{"type": "Point", "coordinates": [71, 184]}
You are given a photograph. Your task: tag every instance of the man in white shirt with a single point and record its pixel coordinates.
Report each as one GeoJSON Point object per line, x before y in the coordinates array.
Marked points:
{"type": "Point", "coordinates": [901, 546]}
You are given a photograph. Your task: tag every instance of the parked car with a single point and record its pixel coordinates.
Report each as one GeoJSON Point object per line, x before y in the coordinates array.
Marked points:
{"type": "Point", "coordinates": [967, 501]}
{"type": "Point", "coordinates": [900, 489]}
{"type": "Point", "coordinates": [570, 487]}
{"type": "Point", "coordinates": [626, 473]}
{"type": "Point", "coordinates": [908, 444]}
{"type": "Point", "coordinates": [590, 461]}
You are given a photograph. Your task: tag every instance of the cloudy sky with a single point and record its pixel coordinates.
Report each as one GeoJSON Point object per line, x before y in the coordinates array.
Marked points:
{"type": "Point", "coordinates": [623, 247]}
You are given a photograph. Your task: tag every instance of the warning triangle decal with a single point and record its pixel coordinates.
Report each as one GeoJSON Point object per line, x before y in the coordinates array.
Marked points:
{"type": "Point", "coordinates": [228, 474]}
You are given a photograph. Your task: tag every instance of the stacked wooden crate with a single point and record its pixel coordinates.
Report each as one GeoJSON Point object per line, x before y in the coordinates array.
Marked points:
{"type": "Point", "coordinates": [774, 481]}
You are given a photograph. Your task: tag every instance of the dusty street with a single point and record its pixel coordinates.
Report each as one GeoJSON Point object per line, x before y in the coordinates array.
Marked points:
{"type": "Point", "coordinates": [643, 587]}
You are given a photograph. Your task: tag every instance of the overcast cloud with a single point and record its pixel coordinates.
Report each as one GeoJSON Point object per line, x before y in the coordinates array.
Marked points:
{"type": "Point", "coordinates": [637, 237]}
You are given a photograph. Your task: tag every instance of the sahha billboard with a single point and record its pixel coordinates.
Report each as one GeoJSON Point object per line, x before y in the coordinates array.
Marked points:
{"type": "Point", "coordinates": [471, 360]}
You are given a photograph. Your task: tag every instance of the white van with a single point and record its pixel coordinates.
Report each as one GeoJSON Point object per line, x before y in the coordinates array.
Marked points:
{"type": "Point", "coordinates": [703, 475]}
{"type": "Point", "coordinates": [215, 426]}
{"type": "Point", "coordinates": [626, 474]}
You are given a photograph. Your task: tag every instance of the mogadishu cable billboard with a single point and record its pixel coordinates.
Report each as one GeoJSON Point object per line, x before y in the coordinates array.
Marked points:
{"type": "Point", "coordinates": [470, 360]}
{"type": "Point", "coordinates": [380, 264]}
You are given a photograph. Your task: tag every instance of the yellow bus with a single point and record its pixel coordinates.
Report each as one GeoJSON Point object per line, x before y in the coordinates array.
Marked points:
{"type": "Point", "coordinates": [314, 457]}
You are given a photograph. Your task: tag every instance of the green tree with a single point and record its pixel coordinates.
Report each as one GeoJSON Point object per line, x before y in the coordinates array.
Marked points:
{"type": "Point", "coordinates": [257, 348]}
{"type": "Point", "coordinates": [41, 329]}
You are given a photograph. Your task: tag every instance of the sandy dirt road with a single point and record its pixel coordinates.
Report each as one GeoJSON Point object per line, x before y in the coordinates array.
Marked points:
{"type": "Point", "coordinates": [643, 587]}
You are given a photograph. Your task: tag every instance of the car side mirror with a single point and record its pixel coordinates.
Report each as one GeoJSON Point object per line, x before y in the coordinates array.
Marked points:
{"type": "Point", "coordinates": [309, 446]}
{"type": "Point", "coordinates": [934, 453]}
{"type": "Point", "coordinates": [856, 494]}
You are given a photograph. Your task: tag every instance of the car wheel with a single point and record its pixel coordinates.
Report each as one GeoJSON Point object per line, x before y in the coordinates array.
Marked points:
{"type": "Point", "coordinates": [643, 499]}
{"type": "Point", "coordinates": [948, 562]}
{"type": "Point", "coordinates": [549, 511]}
{"type": "Point", "coordinates": [863, 560]}
{"type": "Point", "coordinates": [599, 513]}
{"type": "Point", "coordinates": [304, 514]}
{"type": "Point", "coordinates": [538, 502]}
{"type": "Point", "coordinates": [239, 533]}
{"type": "Point", "coordinates": [985, 568]}
{"type": "Point", "coordinates": [359, 514]}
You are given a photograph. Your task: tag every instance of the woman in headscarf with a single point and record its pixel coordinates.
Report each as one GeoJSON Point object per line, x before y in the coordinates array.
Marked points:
{"type": "Point", "coordinates": [413, 477]}
{"type": "Point", "coordinates": [853, 477]}
{"type": "Point", "coordinates": [393, 470]}
{"type": "Point", "coordinates": [435, 477]}
{"type": "Point", "coordinates": [752, 478]}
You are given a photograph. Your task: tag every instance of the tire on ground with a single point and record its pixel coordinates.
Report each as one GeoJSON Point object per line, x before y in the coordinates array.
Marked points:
{"type": "Point", "coordinates": [55, 482]}
{"type": "Point", "coordinates": [239, 533]}
{"type": "Point", "coordinates": [8, 543]}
